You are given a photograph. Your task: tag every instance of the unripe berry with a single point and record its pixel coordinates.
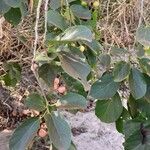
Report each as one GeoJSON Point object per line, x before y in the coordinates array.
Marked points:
{"type": "Point", "coordinates": [83, 3]}
{"type": "Point", "coordinates": [73, 45]}
{"type": "Point", "coordinates": [96, 4]}
{"type": "Point", "coordinates": [42, 133]}
{"type": "Point", "coordinates": [146, 48]}
{"type": "Point", "coordinates": [82, 48]}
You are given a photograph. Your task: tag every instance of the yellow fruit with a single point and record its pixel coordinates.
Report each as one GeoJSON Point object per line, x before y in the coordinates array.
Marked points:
{"type": "Point", "coordinates": [73, 45]}
{"type": "Point", "coordinates": [82, 48]}
{"type": "Point", "coordinates": [96, 4]}
{"type": "Point", "coordinates": [83, 3]}
{"type": "Point", "coordinates": [146, 48]}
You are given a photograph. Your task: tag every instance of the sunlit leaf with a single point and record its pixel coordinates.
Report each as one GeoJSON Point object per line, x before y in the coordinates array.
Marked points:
{"type": "Point", "coordinates": [75, 33]}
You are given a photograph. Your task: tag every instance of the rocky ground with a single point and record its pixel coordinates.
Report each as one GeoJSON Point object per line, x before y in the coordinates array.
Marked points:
{"type": "Point", "coordinates": [89, 133]}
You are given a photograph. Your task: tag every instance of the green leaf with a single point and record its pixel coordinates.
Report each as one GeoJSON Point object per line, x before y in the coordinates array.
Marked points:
{"type": "Point", "coordinates": [75, 33]}
{"type": "Point", "coordinates": [137, 135]}
{"type": "Point", "coordinates": [132, 107]}
{"type": "Point", "coordinates": [145, 65]}
{"type": "Point", "coordinates": [95, 46]}
{"type": "Point", "coordinates": [8, 81]}
{"type": "Point", "coordinates": [147, 95]}
{"type": "Point", "coordinates": [104, 88]}
{"type": "Point", "coordinates": [144, 107]}
{"type": "Point", "coordinates": [48, 73]}
{"type": "Point", "coordinates": [13, 16]}
{"type": "Point", "coordinates": [121, 71]}
{"type": "Point", "coordinates": [130, 127]}
{"type": "Point", "coordinates": [13, 74]}
{"type": "Point", "coordinates": [109, 110]}
{"type": "Point", "coordinates": [137, 84]}
{"type": "Point", "coordinates": [91, 58]}
{"type": "Point", "coordinates": [13, 3]}
{"type": "Point", "coordinates": [55, 4]}
{"type": "Point", "coordinates": [143, 36]}
{"type": "Point", "coordinates": [72, 147]}
{"type": "Point", "coordinates": [120, 122]}
{"type": "Point", "coordinates": [75, 67]}
{"type": "Point", "coordinates": [105, 60]}
{"type": "Point", "coordinates": [3, 7]}
{"type": "Point", "coordinates": [56, 19]}
{"type": "Point", "coordinates": [140, 50]}
{"type": "Point", "coordinates": [59, 131]}
{"type": "Point", "coordinates": [24, 134]}
{"type": "Point", "coordinates": [73, 101]}
{"type": "Point", "coordinates": [80, 11]}
{"type": "Point", "coordinates": [119, 125]}
{"type": "Point", "coordinates": [35, 101]}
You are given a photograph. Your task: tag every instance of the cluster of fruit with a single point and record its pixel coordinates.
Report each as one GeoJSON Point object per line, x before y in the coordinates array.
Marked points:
{"type": "Point", "coordinates": [95, 4]}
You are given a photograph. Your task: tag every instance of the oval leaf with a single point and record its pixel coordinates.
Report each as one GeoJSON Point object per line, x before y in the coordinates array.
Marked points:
{"type": "Point", "coordinates": [73, 101]}
{"type": "Point", "coordinates": [54, 18]}
{"type": "Point", "coordinates": [23, 135]}
{"type": "Point", "coordinates": [105, 88]}
{"type": "Point", "coordinates": [76, 68]}
{"type": "Point", "coordinates": [137, 84]}
{"type": "Point", "coordinates": [76, 33]}
{"type": "Point", "coordinates": [48, 73]}
{"type": "Point", "coordinates": [121, 71]}
{"type": "Point", "coordinates": [132, 106]}
{"type": "Point", "coordinates": [109, 110]}
{"type": "Point", "coordinates": [80, 11]}
{"type": "Point", "coordinates": [59, 131]}
{"type": "Point", "coordinates": [35, 101]}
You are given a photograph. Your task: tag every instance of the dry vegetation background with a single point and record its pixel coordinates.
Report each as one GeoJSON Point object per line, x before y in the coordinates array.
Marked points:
{"type": "Point", "coordinates": [117, 25]}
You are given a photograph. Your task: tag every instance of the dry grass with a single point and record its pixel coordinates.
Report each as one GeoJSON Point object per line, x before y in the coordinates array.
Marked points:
{"type": "Point", "coordinates": [120, 20]}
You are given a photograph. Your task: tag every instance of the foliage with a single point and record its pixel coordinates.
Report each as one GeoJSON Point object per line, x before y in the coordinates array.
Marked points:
{"type": "Point", "coordinates": [77, 55]}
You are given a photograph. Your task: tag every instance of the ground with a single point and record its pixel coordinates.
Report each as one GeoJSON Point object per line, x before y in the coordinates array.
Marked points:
{"type": "Point", "coordinates": [88, 133]}
{"type": "Point", "coordinates": [118, 24]}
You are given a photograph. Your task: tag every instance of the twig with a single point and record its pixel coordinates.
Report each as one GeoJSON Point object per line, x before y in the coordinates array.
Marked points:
{"type": "Point", "coordinates": [36, 27]}
{"type": "Point", "coordinates": [45, 9]}
{"type": "Point", "coordinates": [141, 12]}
